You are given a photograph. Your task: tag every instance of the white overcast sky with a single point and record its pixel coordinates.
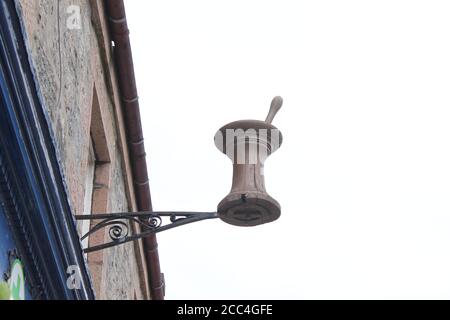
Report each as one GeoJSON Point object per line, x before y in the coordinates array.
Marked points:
{"type": "Point", "coordinates": [363, 175]}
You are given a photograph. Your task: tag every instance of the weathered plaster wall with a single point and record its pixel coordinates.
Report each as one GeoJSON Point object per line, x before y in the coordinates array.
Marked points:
{"type": "Point", "coordinates": [67, 63]}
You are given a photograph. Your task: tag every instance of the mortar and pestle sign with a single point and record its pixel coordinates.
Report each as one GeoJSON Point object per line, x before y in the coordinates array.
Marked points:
{"type": "Point", "coordinates": [248, 143]}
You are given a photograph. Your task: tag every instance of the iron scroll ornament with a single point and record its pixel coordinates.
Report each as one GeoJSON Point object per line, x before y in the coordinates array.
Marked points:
{"type": "Point", "coordinates": [150, 222]}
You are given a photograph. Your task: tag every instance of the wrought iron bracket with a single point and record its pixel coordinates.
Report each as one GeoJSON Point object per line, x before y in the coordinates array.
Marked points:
{"type": "Point", "coordinates": [150, 222]}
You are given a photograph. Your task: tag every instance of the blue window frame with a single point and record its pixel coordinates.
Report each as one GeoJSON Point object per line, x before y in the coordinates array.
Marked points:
{"type": "Point", "coordinates": [38, 220]}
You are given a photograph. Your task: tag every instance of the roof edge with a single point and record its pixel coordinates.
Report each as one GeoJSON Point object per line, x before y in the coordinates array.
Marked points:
{"type": "Point", "coordinates": [123, 61]}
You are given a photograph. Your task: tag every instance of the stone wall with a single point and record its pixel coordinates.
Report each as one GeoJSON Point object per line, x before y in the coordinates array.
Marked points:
{"type": "Point", "coordinates": [66, 55]}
